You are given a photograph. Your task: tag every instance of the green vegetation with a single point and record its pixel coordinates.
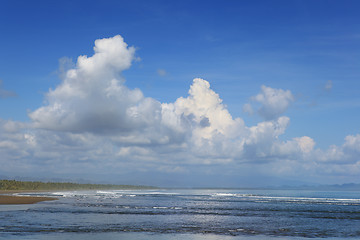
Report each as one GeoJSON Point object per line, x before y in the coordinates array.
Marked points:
{"type": "Point", "coordinates": [21, 185]}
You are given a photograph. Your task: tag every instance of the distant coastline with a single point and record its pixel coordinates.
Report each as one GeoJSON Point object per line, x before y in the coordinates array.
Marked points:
{"type": "Point", "coordinates": [14, 185]}
{"type": "Point", "coordinates": [9, 187]}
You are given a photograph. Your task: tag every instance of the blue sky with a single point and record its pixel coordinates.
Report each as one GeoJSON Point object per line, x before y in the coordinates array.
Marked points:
{"type": "Point", "coordinates": [283, 75]}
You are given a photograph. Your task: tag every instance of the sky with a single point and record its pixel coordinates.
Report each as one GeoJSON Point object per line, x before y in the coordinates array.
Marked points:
{"type": "Point", "coordinates": [182, 94]}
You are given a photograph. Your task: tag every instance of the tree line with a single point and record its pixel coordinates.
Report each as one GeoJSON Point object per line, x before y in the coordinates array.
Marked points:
{"type": "Point", "coordinates": [29, 185]}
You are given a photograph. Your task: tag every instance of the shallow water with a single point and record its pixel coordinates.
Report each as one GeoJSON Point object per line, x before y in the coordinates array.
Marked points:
{"type": "Point", "coordinates": [186, 214]}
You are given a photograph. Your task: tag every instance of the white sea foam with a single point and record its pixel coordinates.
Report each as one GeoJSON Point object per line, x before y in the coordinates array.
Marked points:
{"type": "Point", "coordinates": [113, 194]}
{"type": "Point", "coordinates": [265, 198]}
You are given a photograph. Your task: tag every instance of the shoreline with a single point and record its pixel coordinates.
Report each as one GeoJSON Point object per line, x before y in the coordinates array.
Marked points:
{"type": "Point", "coordinates": [7, 199]}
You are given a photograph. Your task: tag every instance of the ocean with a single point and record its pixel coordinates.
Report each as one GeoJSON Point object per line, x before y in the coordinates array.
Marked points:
{"type": "Point", "coordinates": [195, 214]}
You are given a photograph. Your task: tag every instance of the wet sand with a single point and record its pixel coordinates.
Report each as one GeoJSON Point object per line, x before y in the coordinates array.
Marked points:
{"type": "Point", "coordinates": [6, 198]}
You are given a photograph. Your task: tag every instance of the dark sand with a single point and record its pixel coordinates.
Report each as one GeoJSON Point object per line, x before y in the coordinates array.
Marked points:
{"type": "Point", "coordinates": [10, 199]}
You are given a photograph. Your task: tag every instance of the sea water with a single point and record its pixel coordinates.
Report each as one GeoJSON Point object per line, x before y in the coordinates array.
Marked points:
{"type": "Point", "coordinates": [195, 214]}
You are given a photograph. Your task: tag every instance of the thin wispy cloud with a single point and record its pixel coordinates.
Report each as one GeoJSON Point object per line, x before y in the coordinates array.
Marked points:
{"type": "Point", "coordinates": [328, 86]}
{"type": "Point", "coordinates": [6, 93]}
{"type": "Point", "coordinates": [161, 72]}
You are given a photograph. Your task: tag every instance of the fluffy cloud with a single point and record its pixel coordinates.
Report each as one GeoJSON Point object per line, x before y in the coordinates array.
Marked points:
{"type": "Point", "coordinates": [207, 125]}
{"type": "Point", "coordinates": [203, 111]}
{"type": "Point", "coordinates": [352, 143]}
{"type": "Point", "coordinates": [93, 98]}
{"type": "Point", "coordinates": [305, 143]}
{"type": "Point", "coordinates": [348, 153]}
{"type": "Point", "coordinates": [273, 102]}
{"type": "Point", "coordinates": [212, 133]}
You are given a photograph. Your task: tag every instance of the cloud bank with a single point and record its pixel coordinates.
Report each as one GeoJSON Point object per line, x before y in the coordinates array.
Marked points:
{"type": "Point", "coordinates": [93, 122]}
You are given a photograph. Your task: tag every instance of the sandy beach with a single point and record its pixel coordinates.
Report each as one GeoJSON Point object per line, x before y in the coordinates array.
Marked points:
{"type": "Point", "coordinates": [7, 198]}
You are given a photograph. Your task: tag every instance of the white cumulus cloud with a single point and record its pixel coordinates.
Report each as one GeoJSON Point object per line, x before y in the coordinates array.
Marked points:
{"type": "Point", "coordinates": [92, 96]}
{"type": "Point", "coordinates": [273, 102]}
